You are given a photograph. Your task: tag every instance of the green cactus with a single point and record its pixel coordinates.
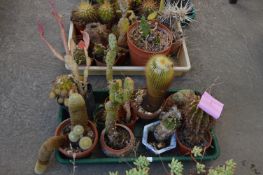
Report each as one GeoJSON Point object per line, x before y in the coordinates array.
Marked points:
{"type": "Point", "coordinates": [145, 27]}
{"type": "Point", "coordinates": [176, 167]}
{"type": "Point", "coordinates": [79, 56]}
{"type": "Point", "coordinates": [61, 88]}
{"type": "Point", "coordinates": [123, 26]}
{"type": "Point", "coordinates": [46, 150]}
{"type": "Point", "coordinates": [106, 12]}
{"type": "Point", "coordinates": [111, 113]}
{"type": "Point", "coordinates": [110, 56]}
{"type": "Point", "coordinates": [77, 110]}
{"type": "Point", "coordinates": [84, 13]}
{"type": "Point", "coordinates": [159, 75]}
{"type": "Point", "coordinates": [170, 121]}
{"type": "Point", "coordinates": [148, 6]}
{"type": "Point", "coordinates": [85, 143]}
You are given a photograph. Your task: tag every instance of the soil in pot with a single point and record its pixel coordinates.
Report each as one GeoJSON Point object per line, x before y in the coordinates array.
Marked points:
{"type": "Point", "coordinates": [121, 139]}
{"type": "Point", "coordinates": [157, 145]}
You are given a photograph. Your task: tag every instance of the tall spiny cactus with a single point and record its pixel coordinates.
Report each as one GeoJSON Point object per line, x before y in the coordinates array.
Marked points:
{"type": "Point", "coordinates": [110, 56]}
{"type": "Point", "coordinates": [159, 75]}
{"type": "Point", "coordinates": [106, 12]}
{"type": "Point", "coordinates": [77, 110]}
{"type": "Point", "coordinates": [128, 90]}
{"type": "Point", "coordinates": [123, 24]}
{"type": "Point", "coordinates": [46, 150]}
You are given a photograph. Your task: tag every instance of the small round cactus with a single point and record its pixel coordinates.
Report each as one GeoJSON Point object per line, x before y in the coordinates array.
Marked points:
{"type": "Point", "coordinates": [73, 137]}
{"type": "Point", "coordinates": [78, 130]}
{"type": "Point", "coordinates": [106, 12]}
{"type": "Point", "coordinates": [159, 75]}
{"type": "Point", "coordinates": [148, 7]}
{"type": "Point", "coordinates": [84, 14]}
{"type": "Point", "coordinates": [85, 143]}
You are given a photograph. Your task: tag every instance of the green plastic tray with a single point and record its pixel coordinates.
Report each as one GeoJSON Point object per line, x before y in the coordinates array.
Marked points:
{"type": "Point", "coordinates": [99, 157]}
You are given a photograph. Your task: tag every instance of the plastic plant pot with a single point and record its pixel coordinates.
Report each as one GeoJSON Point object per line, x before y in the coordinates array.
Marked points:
{"type": "Point", "coordinates": [149, 128]}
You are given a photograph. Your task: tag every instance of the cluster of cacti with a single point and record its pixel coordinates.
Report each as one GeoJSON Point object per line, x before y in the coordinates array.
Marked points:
{"type": "Point", "coordinates": [170, 120]}
{"type": "Point", "coordinates": [110, 56]}
{"type": "Point", "coordinates": [84, 14]}
{"type": "Point", "coordinates": [148, 7]}
{"type": "Point", "coordinates": [159, 75]}
{"type": "Point", "coordinates": [62, 87]}
{"type": "Point", "coordinates": [76, 136]}
{"type": "Point", "coordinates": [106, 12]}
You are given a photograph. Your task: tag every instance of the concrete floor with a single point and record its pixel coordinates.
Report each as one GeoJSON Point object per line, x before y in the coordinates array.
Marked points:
{"type": "Point", "coordinates": [225, 42]}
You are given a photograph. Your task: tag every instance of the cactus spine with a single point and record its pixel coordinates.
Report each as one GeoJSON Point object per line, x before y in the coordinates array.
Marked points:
{"type": "Point", "coordinates": [110, 56]}
{"type": "Point", "coordinates": [159, 75]}
{"type": "Point", "coordinates": [148, 6]}
{"type": "Point", "coordinates": [46, 150]}
{"type": "Point", "coordinates": [84, 14]}
{"type": "Point", "coordinates": [77, 110]}
{"type": "Point", "coordinates": [106, 12]}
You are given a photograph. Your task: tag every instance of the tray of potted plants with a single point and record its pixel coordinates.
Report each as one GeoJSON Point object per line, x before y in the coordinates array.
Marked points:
{"type": "Point", "coordinates": [143, 28]}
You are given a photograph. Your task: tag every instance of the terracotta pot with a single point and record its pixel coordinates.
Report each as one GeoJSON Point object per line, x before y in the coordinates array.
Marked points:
{"type": "Point", "coordinates": [184, 150]}
{"type": "Point", "coordinates": [120, 60]}
{"type": "Point", "coordinates": [120, 152]}
{"type": "Point", "coordinates": [176, 46]}
{"type": "Point", "coordinates": [134, 118]}
{"type": "Point", "coordinates": [138, 114]}
{"type": "Point", "coordinates": [86, 153]}
{"type": "Point", "coordinates": [140, 57]}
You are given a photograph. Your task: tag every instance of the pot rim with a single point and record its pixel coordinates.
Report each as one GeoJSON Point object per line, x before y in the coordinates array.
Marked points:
{"type": "Point", "coordinates": [84, 153]}
{"type": "Point", "coordinates": [169, 32]}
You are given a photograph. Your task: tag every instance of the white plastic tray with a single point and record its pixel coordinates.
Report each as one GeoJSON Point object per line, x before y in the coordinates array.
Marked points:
{"type": "Point", "coordinates": [182, 60]}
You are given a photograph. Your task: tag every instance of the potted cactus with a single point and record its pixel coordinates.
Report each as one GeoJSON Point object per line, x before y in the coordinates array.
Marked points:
{"type": "Point", "coordinates": [159, 75]}
{"type": "Point", "coordinates": [159, 136]}
{"type": "Point", "coordinates": [75, 137]}
{"type": "Point", "coordinates": [196, 124]}
{"type": "Point", "coordinates": [146, 39]}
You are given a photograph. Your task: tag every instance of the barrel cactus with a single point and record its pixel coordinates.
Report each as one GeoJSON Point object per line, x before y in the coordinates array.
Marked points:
{"type": "Point", "coordinates": [159, 75]}
{"type": "Point", "coordinates": [83, 14]}
{"type": "Point", "coordinates": [148, 6]}
{"type": "Point", "coordinates": [106, 12]}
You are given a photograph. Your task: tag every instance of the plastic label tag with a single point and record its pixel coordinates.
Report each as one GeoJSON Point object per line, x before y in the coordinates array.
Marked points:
{"type": "Point", "coordinates": [150, 159]}
{"type": "Point", "coordinates": [211, 105]}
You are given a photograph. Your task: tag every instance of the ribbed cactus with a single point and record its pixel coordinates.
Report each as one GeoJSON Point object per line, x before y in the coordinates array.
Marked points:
{"type": "Point", "coordinates": [84, 14]}
{"type": "Point", "coordinates": [77, 110]}
{"type": "Point", "coordinates": [170, 120]}
{"type": "Point", "coordinates": [46, 150]}
{"type": "Point", "coordinates": [159, 75]}
{"type": "Point", "coordinates": [110, 56]}
{"type": "Point", "coordinates": [106, 12]}
{"type": "Point", "coordinates": [197, 123]}
{"type": "Point", "coordinates": [62, 86]}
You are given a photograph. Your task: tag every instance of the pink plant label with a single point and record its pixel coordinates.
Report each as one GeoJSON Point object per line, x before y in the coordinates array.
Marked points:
{"type": "Point", "coordinates": [211, 105]}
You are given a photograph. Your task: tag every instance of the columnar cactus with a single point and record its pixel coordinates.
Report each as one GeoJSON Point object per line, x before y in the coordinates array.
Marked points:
{"type": "Point", "coordinates": [159, 75]}
{"type": "Point", "coordinates": [106, 12]}
{"type": "Point", "coordinates": [77, 110]}
{"type": "Point", "coordinates": [128, 90]}
{"type": "Point", "coordinates": [84, 14]}
{"type": "Point", "coordinates": [46, 150]}
{"type": "Point", "coordinates": [110, 56]}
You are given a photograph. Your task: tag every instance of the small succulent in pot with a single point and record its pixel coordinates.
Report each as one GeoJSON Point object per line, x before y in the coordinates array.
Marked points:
{"type": "Point", "coordinates": [170, 121]}
{"type": "Point", "coordinates": [79, 54]}
{"type": "Point", "coordinates": [84, 13]}
{"type": "Point", "coordinates": [106, 12]}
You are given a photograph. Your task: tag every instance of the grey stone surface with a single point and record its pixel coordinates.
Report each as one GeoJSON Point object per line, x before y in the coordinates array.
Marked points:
{"type": "Point", "coordinates": [226, 41]}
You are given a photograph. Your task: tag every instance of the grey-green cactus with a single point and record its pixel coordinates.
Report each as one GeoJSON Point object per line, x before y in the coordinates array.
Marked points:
{"type": "Point", "coordinates": [170, 121]}
{"type": "Point", "coordinates": [77, 110]}
{"type": "Point", "coordinates": [46, 150]}
{"type": "Point", "coordinates": [85, 143]}
{"type": "Point", "coordinates": [159, 75]}
{"type": "Point", "coordinates": [110, 56]}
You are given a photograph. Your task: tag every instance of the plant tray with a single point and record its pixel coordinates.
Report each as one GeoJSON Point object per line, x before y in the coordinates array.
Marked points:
{"type": "Point", "coordinates": [99, 157]}
{"type": "Point", "coordinates": [182, 61]}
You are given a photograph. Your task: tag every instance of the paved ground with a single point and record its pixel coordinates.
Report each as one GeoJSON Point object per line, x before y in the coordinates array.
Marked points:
{"type": "Point", "coordinates": [226, 42]}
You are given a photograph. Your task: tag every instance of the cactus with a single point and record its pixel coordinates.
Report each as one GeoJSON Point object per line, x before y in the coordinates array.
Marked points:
{"type": "Point", "coordinates": [46, 150]}
{"type": "Point", "coordinates": [61, 88]}
{"type": "Point", "coordinates": [85, 143]}
{"type": "Point", "coordinates": [197, 123]}
{"type": "Point", "coordinates": [83, 14]}
{"type": "Point", "coordinates": [169, 122]}
{"type": "Point", "coordinates": [159, 75]}
{"type": "Point", "coordinates": [148, 6]}
{"type": "Point", "coordinates": [128, 90]}
{"type": "Point", "coordinates": [79, 56]}
{"type": "Point", "coordinates": [145, 27]}
{"type": "Point", "coordinates": [110, 56]}
{"type": "Point", "coordinates": [106, 12]}
{"type": "Point", "coordinates": [111, 112]}
{"type": "Point", "coordinates": [123, 26]}
{"type": "Point", "coordinates": [77, 110]}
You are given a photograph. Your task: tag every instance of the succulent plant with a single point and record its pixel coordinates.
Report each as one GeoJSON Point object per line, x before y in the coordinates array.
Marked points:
{"type": "Point", "coordinates": [123, 26]}
{"type": "Point", "coordinates": [170, 120]}
{"type": "Point", "coordinates": [176, 167]}
{"type": "Point", "coordinates": [77, 110]}
{"type": "Point", "coordinates": [148, 6]}
{"type": "Point", "coordinates": [79, 56]}
{"type": "Point", "coordinates": [46, 150]}
{"type": "Point", "coordinates": [61, 88]}
{"type": "Point", "coordinates": [106, 12]}
{"type": "Point", "coordinates": [159, 75]}
{"type": "Point", "coordinates": [84, 14]}
{"type": "Point", "coordinates": [85, 143]}
{"type": "Point", "coordinates": [110, 56]}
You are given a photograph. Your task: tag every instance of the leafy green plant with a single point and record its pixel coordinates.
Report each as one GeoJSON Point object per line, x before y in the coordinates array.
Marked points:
{"type": "Point", "coordinates": [176, 167]}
